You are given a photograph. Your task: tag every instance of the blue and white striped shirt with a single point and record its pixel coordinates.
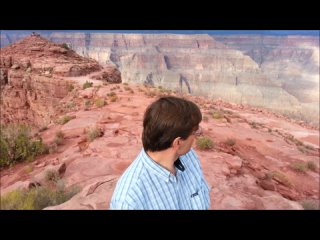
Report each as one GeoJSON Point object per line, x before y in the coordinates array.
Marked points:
{"type": "Point", "coordinates": [147, 185]}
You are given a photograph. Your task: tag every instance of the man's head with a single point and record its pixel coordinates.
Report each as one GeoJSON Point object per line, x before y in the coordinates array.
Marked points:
{"type": "Point", "coordinates": [168, 121]}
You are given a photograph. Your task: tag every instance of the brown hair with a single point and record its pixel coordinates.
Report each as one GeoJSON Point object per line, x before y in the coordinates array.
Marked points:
{"type": "Point", "coordinates": [166, 119]}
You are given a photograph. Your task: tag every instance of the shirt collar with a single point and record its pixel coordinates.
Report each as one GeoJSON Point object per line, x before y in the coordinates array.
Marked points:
{"type": "Point", "coordinates": [155, 168]}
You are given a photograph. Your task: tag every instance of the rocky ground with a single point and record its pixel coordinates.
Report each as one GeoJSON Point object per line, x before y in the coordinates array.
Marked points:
{"type": "Point", "coordinates": [251, 166]}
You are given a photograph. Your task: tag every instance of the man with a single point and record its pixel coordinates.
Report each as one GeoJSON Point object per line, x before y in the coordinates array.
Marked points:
{"type": "Point", "coordinates": [167, 173]}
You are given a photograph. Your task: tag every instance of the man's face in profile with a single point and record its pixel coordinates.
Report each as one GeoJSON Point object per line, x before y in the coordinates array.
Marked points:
{"type": "Point", "coordinates": [187, 143]}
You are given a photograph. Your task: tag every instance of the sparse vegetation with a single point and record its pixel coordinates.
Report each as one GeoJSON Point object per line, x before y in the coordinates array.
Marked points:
{"type": "Point", "coordinates": [127, 88]}
{"type": "Point", "coordinates": [225, 111]}
{"type": "Point", "coordinates": [16, 144]}
{"type": "Point", "coordinates": [52, 175]}
{"type": "Point", "coordinates": [113, 98]}
{"type": "Point", "coordinates": [150, 94]}
{"type": "Point", "coordinates": [204, 143]}
{"type": "Point", "coordinates": [269, 175]}
{"type": "Point", "coordinates": [302, 149]}
{"type": "Point", "coordinates": [309, 147]}
{"type": "Point", "coordinates": [71, 105]}
{"type": "Point", "coordinates": [70, 87]}
{"type": "Point", "coordinates": [111, 94]}
{"type": "Point", "coordinates": [230, 142]}
{"type": "Point", "coordinates": [253, 125]}
{"type": "Point", "coordinates": [53, 148]}
{"type": "Point", "coordinates": [310, 204]}
{"type": "Point", "coordinates": [100, 102]}
{"type": "Point", "coordinates": [64, 120]}
{"type": "Point", "coordinates": [299, 167]}
{"type": "Point", "coordinates": [164, 90]}
{"type": "Point", "coordinates": [217, 115]}
{"type": "Point", "coordinates": [205, 118]}
{"type": "Point", "coordinates": [311, 165]}
{"type": "Point", "coordinates": [37, 198]}
{"type": "Point", "coordinates": [65, 46]}
{"type": "Point", "coordinates": [87, 104]}
{"type": "Point", "coordinates": [59, 138]}
{"type": "Point", "coordinates": [278, 176]}
{"type": "Point", "coordinates": [87, 84]}
{"type": "Point", "coordinates": [94, 133]}
{"type": "Point", "coordinates": [28, 169]}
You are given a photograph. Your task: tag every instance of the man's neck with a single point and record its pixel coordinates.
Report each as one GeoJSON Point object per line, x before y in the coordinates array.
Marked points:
{"type": "Point", "coordinates": [165, 158]}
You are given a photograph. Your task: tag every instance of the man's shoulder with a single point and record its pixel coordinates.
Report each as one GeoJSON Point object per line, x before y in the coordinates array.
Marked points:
{"type": "Point", "coordinates": [191, 159]}
{"type": "Point", "coordinates": [133, 173]}
{"type": "Point", "coordinates": [129, 182]}
{"type": "Point", "coordinates": [191, 155]}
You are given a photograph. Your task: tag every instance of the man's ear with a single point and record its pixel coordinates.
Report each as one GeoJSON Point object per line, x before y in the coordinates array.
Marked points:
{"type": "Point", "coordinates": [176, 143]}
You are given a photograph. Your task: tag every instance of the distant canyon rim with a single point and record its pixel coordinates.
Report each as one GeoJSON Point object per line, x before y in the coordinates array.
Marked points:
{"type": "Point", "coordinates": [280, 73]}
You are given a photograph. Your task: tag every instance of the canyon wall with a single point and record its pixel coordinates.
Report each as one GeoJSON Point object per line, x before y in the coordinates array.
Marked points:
{"type": "Point", "coordinates": [279, 73]}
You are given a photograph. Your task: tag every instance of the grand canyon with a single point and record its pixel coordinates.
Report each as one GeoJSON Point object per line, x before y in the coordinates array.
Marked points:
{"type": "Point", "coordinates": [84, 95]}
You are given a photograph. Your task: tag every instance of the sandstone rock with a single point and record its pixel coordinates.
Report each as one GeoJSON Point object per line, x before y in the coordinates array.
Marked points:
{"type": "Point", "coordinates": [267, 185]}
{"type": "Point", "coordinates": [288, 193]}
{"type": "Point", "coordinates": [41, 177]}
{"type": "Point", "coordinates": [234, 163]}
{"type": "Point", "coordinates": [110, 74]}
{"type": "Point", "coordinates": [87, 93]}
{"type": "Point", "coordinates": [31, 97]}
{"type": "Point", "coordinates": [96, 195]}
{"type": "Point", "coordinates": [15, 66]}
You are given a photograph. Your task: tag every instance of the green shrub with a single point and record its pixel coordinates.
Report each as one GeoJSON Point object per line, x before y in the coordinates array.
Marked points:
{"type": "Point", "coordinates": [94, 133]}
{"type": "Point", "coordinates": [310, 204]}
{"type": "Point", "coordinates": [127, 88]}
{"type": "Point", "coordinates": [28, 169]}
{"type": "Point", "coordinates": [38, 147]}
{"type": "Point", "coordinates": [87, 104]}
{"type": "Point", "coordinates": [52, 175]}
{"type": "Point", "coordinates": [65, 46]}
{"type": "Point", "coordinates": [59, 138]}
{"type": "Point", "coordinates": [114, 98]}
{"type": "Point", "coordinates": [281, 177]}
{"type": "Point", "coordinates": [16, 145]}
{"type": "Point", "coordinates": [53, 148]}
{"type": "Point", "coordinates": [4, 153]}
{"type": "Point", "coordinates": [299, 167]}
{"type": "Point", "coordinates": [111, 94]}
{"type": "Point", "coordinates": [64, 120]}
{"type": "Point", "coordinates": [309, 147]}
{"type": "Point", "coordinates": [205, 118]}
{"type": "Point", "coordinates": [70, 87]}
{"type": "Point", "coordinates": [253, 125]}
{"type": "Point", "coordinates": [87, 85]}
{"type": "Point", "coordinates": [100, 103]}
{"type": "Point", "coordinates": [71, 105]}
{"type": "Point", "coordinates": [37, 198]}
{"type": "Point", "coordinates": [311, 165]}
{"type": "Point", "coordinates": [230, 142]}
{"type": "Point", "coordinates": [217, 115]}
{"type": "Point", "coordinates": [204, 143]}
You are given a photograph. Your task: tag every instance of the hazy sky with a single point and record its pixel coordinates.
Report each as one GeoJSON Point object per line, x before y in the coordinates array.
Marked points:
{"type": "Point", "coordinates": [263, 32]}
